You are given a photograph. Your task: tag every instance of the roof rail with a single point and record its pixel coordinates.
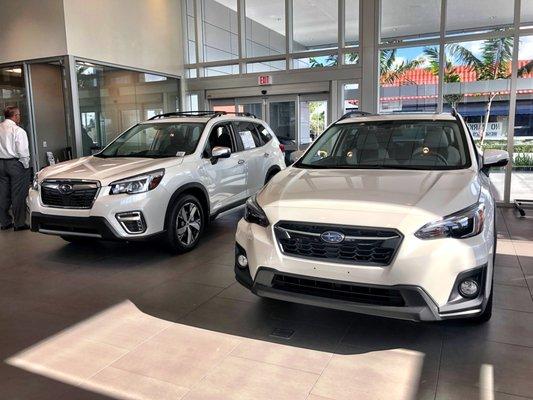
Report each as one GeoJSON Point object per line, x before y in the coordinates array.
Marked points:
{"type": "Point", "coordinates": [355, 112]}
{"type": "Point", "coordinates": [236, 113]}
{"type": "Point", "coordinates": [211, 114]}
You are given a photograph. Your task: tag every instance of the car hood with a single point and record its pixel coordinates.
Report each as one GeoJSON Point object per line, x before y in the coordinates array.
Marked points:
{"type": "Point", "coordinates": [105, 170]}
{"type": "Point", "coordinates": [372, 197]}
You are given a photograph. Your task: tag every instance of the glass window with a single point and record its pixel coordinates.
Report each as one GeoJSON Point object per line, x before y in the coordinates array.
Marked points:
{"type": "Point", "coordinates": [410, 19]}
{"type": "Point", "coordinates": [220, 29]}
{"type": "Point", "coordinates": [191, 33]}
{"type": "Point", "coordinates": [408, 79]}
{"type": "Point", "coordinates": [282, 120]}
{"type": "Point", "coordinates": [220, 137]}
{"type": "Point", "coordinates": [222, 70]}
{"type": "Point", "coordinates": [112, 100]}
{"type": "Point", "coordinates": [315, 24]}
{"type": "Point", "coordinates": [478, 15]}
{"type": "Point", "coordinates": [263, 133]}
{"type": "Point", "coordinates": [351, 23]}
{"type": "Point", "coordinates": [350, 97]}
{"type": "Point", "coordinates": [12, 92]}
{"type": "Point", "coordinates": [522, 173]}
{"type": "Point", "coordinates": [156, 140]}
{"type": "Point", "coordinates": [394, 144]}
{"type": "Point", "coordinates": [477, 83]}
{"type": "Point", "coordinates": [526, 12]}
{"type": "Point", "coordinates": [316, 62]}
{"type": "Point", "coordinates": [265, 27]}
{"type": "Point", "coordinates": [266, 66]}
{"type": "Point", "coordinates": [247, 134]}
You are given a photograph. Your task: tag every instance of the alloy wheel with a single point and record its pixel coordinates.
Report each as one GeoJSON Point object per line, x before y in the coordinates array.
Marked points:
{"type": "Point", "coordinates": [188, 224]}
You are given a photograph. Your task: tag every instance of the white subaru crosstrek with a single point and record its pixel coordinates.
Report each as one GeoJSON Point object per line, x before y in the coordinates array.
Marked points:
{"type": "Point", "coordinates": [390, 215]}
{"type": "Point", "coordinates": [167, 176]}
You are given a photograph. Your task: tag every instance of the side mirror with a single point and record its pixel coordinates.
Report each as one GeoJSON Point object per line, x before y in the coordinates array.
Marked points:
{"type": "Point", "coordinates": [493, 158]}
{"type": "Point", "coordinates": [220, 152]}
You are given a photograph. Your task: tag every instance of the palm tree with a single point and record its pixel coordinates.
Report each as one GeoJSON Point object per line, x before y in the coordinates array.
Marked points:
{"type": "Point", "coordinates": [390, 69]}
{"type": "Point", "coordinates": [494, 62]}
{"type": "Point", "coordinates": [450, 73]}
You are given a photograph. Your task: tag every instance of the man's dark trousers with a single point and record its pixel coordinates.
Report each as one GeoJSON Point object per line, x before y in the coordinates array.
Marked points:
{"type": "Point", "coordinates": [14, 185]}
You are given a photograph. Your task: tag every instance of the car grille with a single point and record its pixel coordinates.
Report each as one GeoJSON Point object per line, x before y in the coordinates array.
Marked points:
{"type": "Point", "coordinates": [338, 291]}
{"type": "Point", "coordinates": [69, 194]}
{"type": "Point", "coordinates": [369, 246]}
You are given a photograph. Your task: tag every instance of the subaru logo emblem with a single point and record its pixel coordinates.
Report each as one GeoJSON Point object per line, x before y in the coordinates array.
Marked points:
{"type": "Point", "coordinates": [332, 237]}
{"type": "Point", "coordinates": [66, 188]}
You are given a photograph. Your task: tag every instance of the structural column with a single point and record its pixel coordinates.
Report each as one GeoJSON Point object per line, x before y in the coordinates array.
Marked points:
{"type": "Point", "coordinates": [369, 21]}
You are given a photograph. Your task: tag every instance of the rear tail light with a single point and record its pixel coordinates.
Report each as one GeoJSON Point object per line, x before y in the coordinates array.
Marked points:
{"type": "Point", "coordinates": [282, 147]}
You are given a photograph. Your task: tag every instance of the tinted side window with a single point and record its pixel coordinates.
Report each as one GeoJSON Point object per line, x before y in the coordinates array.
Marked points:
{"type": "Point", "coordinates": [247, 134]}
{"type": "Point", "coordinates": [220, 136]}
{"type": "Point", "coordinates": [264, 134]}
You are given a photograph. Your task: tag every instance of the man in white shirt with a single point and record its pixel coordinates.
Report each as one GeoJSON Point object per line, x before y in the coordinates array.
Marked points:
{"type": "Point", "coordinates": [14, 171]}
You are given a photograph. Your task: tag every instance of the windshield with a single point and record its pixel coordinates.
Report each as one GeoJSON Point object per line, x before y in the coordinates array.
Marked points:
{"type": "Point", "coordinates": [156, 140]}
{"type": "Point", "coordinates": [416, 144]}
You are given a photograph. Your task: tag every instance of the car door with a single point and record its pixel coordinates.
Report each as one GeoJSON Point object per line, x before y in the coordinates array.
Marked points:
{"type": "Point", "coordinates": [253, 153]}
{"type": "Point", "coordinates": [227, 177]}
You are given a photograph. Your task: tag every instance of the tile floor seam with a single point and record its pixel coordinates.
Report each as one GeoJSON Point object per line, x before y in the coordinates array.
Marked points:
{"type": "Point", "coordinates": [214, 367]}
{"type": "Point", "coordinates": [529, 287]}
{"type": "Point", "coordinates": [126, 353]}
{"type": "Point", "coordinates": [512, 309]}
{"type": "Point", "coordinates": [438, 367]}
{"type": "Point", "coordinates": [273, 364]}
{"type": "Point", "coordinates": [334, 352]}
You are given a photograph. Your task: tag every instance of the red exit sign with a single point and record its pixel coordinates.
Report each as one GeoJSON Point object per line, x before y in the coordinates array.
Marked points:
{"type": "Point", "coordinates": [263, 80]}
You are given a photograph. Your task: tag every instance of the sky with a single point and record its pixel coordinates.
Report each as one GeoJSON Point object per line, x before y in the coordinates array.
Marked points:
{"type": "Point", "coordinates": [525, 51]}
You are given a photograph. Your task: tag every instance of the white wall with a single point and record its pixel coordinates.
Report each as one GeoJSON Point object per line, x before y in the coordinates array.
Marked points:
{"type": "Point", "coordinates": [31, 29]}
{"type": "Point", "coordinates": [144, 34]}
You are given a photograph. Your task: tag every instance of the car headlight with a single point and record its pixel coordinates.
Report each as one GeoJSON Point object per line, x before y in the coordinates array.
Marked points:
{"type": "Point", "coordinates": [254, 214]}
{"type": "Point", "coordinates": [35, 183]}
{"type": "Point", "coordinates": [138, 184]}
{"type": "Point", "coordinates": [460, 225]}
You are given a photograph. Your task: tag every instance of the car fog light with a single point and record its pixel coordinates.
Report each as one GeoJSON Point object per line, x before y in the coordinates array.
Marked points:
{"type": "Point", "coordinates": [242, 260]}
{"type": "Point", "coordinates": [469, 288]}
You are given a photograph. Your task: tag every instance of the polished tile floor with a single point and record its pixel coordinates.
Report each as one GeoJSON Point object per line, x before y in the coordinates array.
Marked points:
{"type": "Point", "coordinates": [121, 321]}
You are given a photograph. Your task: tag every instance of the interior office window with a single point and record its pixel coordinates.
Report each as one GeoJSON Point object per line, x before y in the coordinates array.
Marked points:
{"type": "Point", "coordinates": [191, 33]}
{"type": "Point", "coordinates": [220, 30]}
{"type": "Point", "coordinates": [351, 23]}
{"type": "Point", "coordinates": [265, 27]}
{"type": "Point", "coordinates": [464, 16]}
{"type": "Point", "coordinates": [315, 24]}
{"type": "Point", "coordinates": [526, 13]}
{"type": "Point", "coordinates": [409, 19]}
{"type": "Point", "coordinates": [409, 79]}
{"type": "Point", "coordinates": [522, 173]}
{"type": "Point", "coordinates": [112, 99]}
{"type": "Point", "coordinates": [12, 92]}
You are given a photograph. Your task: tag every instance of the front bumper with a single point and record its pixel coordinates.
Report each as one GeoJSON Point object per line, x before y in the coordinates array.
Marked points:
{"type": "Point", "coordinates": [417, 304]}
{"type": "Point", "coordinates": [100, 221]}
{"type": "Point", "coordinates": [425, 273]}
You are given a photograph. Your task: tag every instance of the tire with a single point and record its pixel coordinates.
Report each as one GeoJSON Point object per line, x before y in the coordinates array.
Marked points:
{"type": "Point", "coordinates": [78, 239]}
{"type": "Point", "coordinates": [185, 225]}
{"type": "Point", "coordinates": [270, 175]}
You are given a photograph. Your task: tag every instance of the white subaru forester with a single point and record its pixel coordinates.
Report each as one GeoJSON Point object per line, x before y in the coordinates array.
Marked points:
{"type": "Point", "coordinates": [167, 176]}
{"type": "Point", "coordinates": [390, 215]}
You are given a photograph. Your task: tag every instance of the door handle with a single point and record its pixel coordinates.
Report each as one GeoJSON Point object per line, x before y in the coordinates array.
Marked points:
{"type": "Point", "coordinates": [240, 162]}
{"type": "Point", "coordinates": [266, 155]}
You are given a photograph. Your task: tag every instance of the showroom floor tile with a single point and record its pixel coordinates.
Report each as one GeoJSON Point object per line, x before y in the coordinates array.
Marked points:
{"type": "Point", "coordinates": [130, 321]}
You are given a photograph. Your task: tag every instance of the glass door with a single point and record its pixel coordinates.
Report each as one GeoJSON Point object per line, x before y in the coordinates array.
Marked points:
{"type": "Point", "coordinates": [313, 118]}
